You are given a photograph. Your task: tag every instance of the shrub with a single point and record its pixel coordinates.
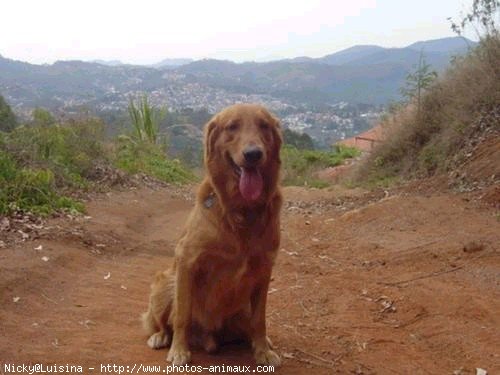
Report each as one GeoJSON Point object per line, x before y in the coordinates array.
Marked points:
{"type": "Point", "coordinates": [70, 151]}
{"type": "Point", "coordinates": [299, 166]}
{"type": "Point", "coordinates": [144, 157]}
{"type": "Point", "coordinates": [427, 144]}
{"type": "Point", "coordinates": [30, 190]}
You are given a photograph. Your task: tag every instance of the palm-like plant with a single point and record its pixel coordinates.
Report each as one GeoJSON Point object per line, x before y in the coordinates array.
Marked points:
{"type": "Point", "coordinates": [145, 119]}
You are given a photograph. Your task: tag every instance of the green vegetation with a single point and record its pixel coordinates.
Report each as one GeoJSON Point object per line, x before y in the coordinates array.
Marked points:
{"type": "Point", "coordinates": [454, 108]}
{"type": "Point", "coordinates": [301, 141]}
{"type": "Point", "coordinates": [145, 152]}
{"type": "Point", "coordinates": [42, 117]}
{"type": "Point", "coordinates": [7, 118]}
{"type": "Point", "coordinates": [144, 157]}
{"type": "Point", "coordinates": [69, 151]}
{"type": "Point", "coordinates": [42, 164]}
{"type": "Point", "coordinates": [418, 81]}
{"type": "Point", "coordinates": [300, 166]}
{"type": "Point", "coordinates": [145, 120]}
{"type": "Point", "coordinates": [30, 189]}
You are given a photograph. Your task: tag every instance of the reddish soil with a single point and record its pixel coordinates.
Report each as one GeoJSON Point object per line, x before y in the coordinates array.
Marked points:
{"type": "Point", "coordinates": [364, 284]}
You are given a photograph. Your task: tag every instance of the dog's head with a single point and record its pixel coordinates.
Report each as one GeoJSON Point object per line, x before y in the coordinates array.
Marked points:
{"type": "Point", "coordinates": [242, 145]}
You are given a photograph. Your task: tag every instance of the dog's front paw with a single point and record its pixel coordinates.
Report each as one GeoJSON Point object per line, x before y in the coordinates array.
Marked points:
{"type": "Point", "coordinates": [178, 356]}
{"type": "Point", "coordinates": [158, 340]}
{"type": "Point", "coordinates": [267, 357]}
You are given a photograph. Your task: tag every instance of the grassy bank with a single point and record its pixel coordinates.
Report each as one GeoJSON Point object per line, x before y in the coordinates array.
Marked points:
{"type": "Point", "coordinates": [458, 106]}
{"type": "Point", "coordinates": [43, 166]}
{"type": "Point", "coordinates": [301, 166]}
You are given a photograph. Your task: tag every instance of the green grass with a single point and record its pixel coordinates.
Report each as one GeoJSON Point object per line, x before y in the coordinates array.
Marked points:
{"type": "Point", "coordinates": [30, 190]}
{"type": "Point", "coordinates": [40, 166]}
{"type": "Point", "coordinates": [144, 157]}
{"type": "Point", "coordinates": [300, 166]}
{"type": "Point", "coordinates": [70, 151]}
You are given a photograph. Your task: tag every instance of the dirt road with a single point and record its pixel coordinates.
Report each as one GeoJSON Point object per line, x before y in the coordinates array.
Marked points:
{"type": "Point", "coordinates": [364, 284]}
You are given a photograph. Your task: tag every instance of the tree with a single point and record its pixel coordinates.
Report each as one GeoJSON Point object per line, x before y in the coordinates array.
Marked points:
{"type": "Point", "coordinates": [7, 118]}
{"type": "Point", "coordinates": [42, 117]}
{"type": "Point", "coordinates": [301, 141]}
{"type": "Point", "coordinates": [417, 81]}
{"type": "Point", "coordinates": [482, 14]}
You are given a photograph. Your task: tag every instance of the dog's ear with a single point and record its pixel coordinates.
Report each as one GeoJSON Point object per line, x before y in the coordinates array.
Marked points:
{"type": "Point", "coordinates": [277, 136]}
{"type": "Point", "coordinates": [211, 133]}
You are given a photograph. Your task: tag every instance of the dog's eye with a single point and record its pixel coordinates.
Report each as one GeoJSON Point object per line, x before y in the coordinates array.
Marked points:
{"type": "Point", "coordinates": [232, 127]}
{"type": "Point", "coordinates": [264, 126]}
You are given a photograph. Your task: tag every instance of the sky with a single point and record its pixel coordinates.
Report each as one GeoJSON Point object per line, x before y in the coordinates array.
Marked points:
{"type": "Point", "coordinates": [147, 31]}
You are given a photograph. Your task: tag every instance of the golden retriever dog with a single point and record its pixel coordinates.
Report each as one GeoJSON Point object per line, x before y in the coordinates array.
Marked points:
{"type": "Point", "coordinates": [217, 287]}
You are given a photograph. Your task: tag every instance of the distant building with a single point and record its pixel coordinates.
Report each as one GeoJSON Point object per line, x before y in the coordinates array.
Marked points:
{"type": "Point", "coordinates": [365, 141]}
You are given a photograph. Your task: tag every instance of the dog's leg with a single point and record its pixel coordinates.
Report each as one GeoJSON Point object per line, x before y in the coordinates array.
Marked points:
{"type": "Point", "coordinates": [263, 353]}
{"type": "Point", "coordinates": [159, 340]}
{"type": "Point", "coordinates": [210, 343]}
{"type": "Point", "coordinates": [179, 353]}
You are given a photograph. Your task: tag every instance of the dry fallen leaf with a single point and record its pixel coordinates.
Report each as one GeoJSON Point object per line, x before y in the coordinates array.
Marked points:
{"type": "Point", "coordinates": [25, 236]}
{"type": "Point", "coordinates": [86, 323]}
{"type": "Point", "coordinates": [4, 224]}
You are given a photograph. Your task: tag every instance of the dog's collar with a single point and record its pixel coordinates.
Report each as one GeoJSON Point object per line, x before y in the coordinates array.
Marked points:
{"type": "Point", "coordinates": [209, 201]}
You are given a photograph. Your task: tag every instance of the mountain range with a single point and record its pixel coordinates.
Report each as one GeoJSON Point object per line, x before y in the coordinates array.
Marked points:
{"type": "Point", "coordinates": [361, 74]}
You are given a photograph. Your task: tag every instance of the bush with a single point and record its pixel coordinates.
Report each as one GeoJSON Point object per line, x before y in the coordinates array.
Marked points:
{"type": "Point", "coordinates": [144, 157]}
{"type": "Point", "coordinates": [299, 166]}
{"type": "Point", "coordinates": [40, 164]}
{"type": "Point", "coordinates": [424, 145]}
{"type": "Point", "coordinates": [30, 190]}
{"type": "Point", "coordinates": [70, 151]}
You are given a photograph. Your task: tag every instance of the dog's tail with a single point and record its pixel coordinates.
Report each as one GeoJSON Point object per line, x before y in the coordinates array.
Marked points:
{"type": "Point", "coordinates": [148, 322]}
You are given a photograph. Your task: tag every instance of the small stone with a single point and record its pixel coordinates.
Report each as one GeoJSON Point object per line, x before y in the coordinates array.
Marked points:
{"type": "Point", "coordinates": [473, 247]}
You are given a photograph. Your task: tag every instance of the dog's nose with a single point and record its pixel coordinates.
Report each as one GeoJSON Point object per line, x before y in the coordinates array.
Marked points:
{"type": "Point", "coordinates": [252, 154]}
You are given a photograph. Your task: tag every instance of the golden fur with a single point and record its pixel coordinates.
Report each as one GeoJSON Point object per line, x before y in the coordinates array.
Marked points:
{"type": "Point", "coordinates": [217, 288]}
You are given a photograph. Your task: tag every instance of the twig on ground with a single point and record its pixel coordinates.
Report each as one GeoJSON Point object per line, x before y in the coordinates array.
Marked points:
{"type": "Point", "coordinates": [321, 359]}
{"type": "Point", "coordinates": [396, 283]}
{"type": "Point", "coordinates": [314, 363]}
{"type": "Point", "coordinates": [48, 299]}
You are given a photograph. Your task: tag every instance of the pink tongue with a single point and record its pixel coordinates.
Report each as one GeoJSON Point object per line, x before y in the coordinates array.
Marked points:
{"type": "Point", "coordinates": [250, 184]}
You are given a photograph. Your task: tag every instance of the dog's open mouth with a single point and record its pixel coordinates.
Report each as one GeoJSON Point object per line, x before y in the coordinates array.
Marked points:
{"type": "Point", "coordinates": [251, 182]}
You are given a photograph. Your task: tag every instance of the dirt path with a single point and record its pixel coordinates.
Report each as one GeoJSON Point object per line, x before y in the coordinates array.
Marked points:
{"type": "Point", "coordinates": [362, 285]}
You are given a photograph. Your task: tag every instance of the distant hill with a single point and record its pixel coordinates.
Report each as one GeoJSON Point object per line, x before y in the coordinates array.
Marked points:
{"type": "Point", "coordinates": [172, 63]}
{"type": "Point", "coordinates": [108, 62]}
{"type": "Point", "coordinates": [437, 53]}
{"type": "Point", "coordinates": [443, 45]}
{"type": "Point", "coordinates": [360, 74]}
{"type": "Point", "coordinates": [348, 55]}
